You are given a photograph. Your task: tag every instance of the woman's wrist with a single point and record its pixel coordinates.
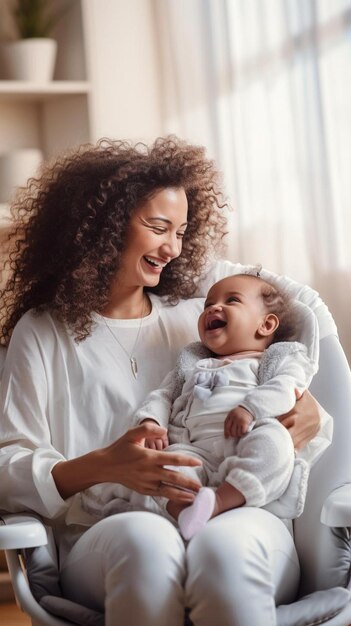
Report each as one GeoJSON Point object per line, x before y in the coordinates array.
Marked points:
{"type": "Point", "coordinates": [78, 474]}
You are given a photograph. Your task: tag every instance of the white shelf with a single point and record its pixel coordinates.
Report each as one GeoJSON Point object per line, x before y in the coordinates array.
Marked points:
{"type": "Point", "coordinates": [55, 115]}
{"type": "Point", "coordinates": [5, 217]}
{"type": "Point", "coordinates": [24, 90]}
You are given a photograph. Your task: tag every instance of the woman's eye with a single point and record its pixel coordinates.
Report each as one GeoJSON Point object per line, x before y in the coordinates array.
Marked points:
{"type": "Point", "coordinates": [159, 231]}
{"type": "Point", "coordinates": [180, 235]}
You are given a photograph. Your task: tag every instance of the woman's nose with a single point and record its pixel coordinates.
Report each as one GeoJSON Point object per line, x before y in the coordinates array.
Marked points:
{"type": "Point", "coordinates": [172, 246]}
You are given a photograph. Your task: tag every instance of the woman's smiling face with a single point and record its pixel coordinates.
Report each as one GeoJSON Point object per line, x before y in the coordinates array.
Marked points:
{"type": "Point", "coordinates": [154, 238]}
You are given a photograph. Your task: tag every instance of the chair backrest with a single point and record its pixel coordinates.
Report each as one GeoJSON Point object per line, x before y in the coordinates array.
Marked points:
{"type": "Point", "coordinates": [320, 548]}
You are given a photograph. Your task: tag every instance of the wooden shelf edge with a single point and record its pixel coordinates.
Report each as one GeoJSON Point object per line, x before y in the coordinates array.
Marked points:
{"type": "Point", "coordinates": [26, 90]}
{"type": "Point", "coordinates": [25, 86]}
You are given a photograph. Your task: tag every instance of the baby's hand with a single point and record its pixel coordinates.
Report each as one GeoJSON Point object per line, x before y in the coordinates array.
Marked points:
{"type": "Point", "coordinates": [155, 444]}
{"type": "Point", "coordinates": [237, 422]}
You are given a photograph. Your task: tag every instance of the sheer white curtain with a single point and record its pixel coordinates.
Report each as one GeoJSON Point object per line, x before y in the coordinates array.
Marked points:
{"type": "Point", "coordinates": [266, 86]}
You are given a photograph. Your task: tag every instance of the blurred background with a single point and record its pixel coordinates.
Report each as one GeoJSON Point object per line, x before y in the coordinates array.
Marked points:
{"type": "Point", "coordinates": [265, 85]}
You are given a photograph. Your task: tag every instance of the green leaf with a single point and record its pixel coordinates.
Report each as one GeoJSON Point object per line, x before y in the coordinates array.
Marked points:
{"type": "Point", "coordinates": [35, 18]}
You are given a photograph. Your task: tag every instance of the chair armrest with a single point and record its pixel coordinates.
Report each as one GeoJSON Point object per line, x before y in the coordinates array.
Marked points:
{"type": "Point", "coordinates": [336, 509]}
{"type": "Point", "coordinates": [21, 531]}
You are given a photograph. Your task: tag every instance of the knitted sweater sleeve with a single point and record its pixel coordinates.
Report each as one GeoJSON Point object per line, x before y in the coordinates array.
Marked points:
{"type": "Point", "coordinates": [284, 367]}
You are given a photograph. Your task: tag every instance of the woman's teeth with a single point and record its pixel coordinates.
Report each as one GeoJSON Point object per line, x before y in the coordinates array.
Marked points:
{"type": "Point", "coordinates": [153, 262]}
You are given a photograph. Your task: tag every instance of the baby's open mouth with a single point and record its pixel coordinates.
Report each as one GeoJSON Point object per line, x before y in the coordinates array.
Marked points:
{"type": "Point", "coordinates": [215, 323]}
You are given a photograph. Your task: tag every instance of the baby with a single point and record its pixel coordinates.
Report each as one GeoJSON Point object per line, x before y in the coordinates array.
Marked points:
{"type": "Point", "coordinates": [247, 359]}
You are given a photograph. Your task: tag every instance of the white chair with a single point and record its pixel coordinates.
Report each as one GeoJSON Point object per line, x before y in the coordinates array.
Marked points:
{"type": "Point", "coordinates": [19, 532]}
{"type": "Point", "coordinates": [322, 533]}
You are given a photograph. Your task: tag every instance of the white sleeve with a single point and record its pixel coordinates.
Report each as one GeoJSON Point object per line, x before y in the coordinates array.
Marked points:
{"type": "Point", "coordinates": [276, 396]}
{"type": "Point", "coordinates": [303, 293]}
{"type": "Point", "coordinates": [27, 456]}
{"type": "Point", "coordinates": [158, 403]}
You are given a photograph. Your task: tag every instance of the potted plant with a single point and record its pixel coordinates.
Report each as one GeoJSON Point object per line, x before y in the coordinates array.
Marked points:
{"type": "Point", "coordinates": [32, 56]}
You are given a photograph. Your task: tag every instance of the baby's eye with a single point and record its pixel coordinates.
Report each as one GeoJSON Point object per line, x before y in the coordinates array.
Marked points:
{"type": "Point", "coordinates": [207, 304]}
{"type": "Point", "coordinates": [233, 299]}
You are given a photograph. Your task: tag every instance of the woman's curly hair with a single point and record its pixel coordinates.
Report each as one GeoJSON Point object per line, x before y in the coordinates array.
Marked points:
{"type": "Point", "coordinates": [71, 226]}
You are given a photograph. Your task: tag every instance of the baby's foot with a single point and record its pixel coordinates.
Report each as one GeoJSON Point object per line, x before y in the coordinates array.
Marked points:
{"type": "Point", "coordinates": [195, 516]}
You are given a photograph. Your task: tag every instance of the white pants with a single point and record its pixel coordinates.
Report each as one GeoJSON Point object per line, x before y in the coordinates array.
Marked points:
{"type": "Point", "coordinates": [259, 465]}
{"type": "Point", "coordinates": [136, 567]}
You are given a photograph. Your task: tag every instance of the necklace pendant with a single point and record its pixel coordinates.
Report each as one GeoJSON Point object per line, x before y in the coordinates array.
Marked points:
{"type": "Point", "coordinates": [134, 366]}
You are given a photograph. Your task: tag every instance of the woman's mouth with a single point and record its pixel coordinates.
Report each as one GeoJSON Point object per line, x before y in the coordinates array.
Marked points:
{"type": "Point", "coordinates": [155, 264]}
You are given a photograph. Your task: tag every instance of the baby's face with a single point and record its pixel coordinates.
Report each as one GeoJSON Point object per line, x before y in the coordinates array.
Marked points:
{"type": "Point", "coordinates": [234, 310]}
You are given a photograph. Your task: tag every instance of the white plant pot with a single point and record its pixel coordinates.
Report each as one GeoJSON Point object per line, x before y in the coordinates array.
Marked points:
{"type": "Point", "coordinates": [16, 167]}
{"type": "Point", "coordinates": [30, 59]}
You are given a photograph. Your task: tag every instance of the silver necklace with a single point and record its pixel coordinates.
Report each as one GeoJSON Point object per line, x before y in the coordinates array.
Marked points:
{"type": "Point", "coordinates": [132, 359]}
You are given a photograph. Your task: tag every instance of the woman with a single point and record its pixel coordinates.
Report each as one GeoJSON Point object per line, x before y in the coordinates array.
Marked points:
{"type": "Point", "coordinates": [99, 303]}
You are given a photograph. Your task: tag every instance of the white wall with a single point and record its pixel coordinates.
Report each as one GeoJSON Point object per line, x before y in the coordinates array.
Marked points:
{"type": "Point", "coordinates": [122, 64]}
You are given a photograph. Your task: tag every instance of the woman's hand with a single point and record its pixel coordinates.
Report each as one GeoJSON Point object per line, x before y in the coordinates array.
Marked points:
{"type": "Point", "coordinates": [128, 462]}
{"type": "Point", "coordinates": [147, 471]}
{"type": "Point", "coordinates": [303, 421]}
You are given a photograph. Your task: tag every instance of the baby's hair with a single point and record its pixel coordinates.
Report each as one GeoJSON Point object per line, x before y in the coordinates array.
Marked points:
{"type": "Point", "coordinates": [278, 302]}
{"type": "Point", "coordinates": [281, 304]}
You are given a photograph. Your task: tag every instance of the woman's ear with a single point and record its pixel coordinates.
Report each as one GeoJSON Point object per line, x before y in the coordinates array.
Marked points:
{"type": "Point", "coordinates": [268, 325]}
